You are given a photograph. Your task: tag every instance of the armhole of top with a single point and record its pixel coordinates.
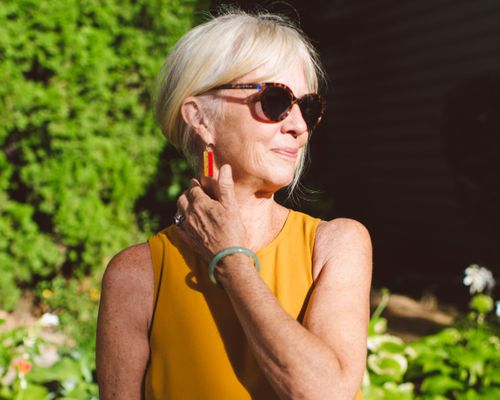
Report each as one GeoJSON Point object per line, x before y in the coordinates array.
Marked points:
{"type": "Point", "coordinates": [156, 247]}
{"type": "Point", "coordinates": [314, 229]}
{"type": "Point", "coordinates": [312, 243]}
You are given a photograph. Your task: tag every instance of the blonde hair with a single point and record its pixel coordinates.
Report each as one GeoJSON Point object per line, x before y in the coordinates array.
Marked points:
{"type": "Point", "coordinates": [220, 51]}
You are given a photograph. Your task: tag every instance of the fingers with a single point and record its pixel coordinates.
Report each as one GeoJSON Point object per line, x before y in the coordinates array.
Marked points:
{"type": "Point", "coordinates": [195, 191]}
{"type": "Point", "coordinates": [194, 182]}
{"type": "Point", "coordinates": [192, 199]}
{"type": "Point", "coordinates": [225, 185]}
{"type": "Point", "coordinates": [182, 204]}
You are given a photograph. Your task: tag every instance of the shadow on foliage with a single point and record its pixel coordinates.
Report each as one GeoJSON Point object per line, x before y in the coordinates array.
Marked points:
{"type": "Point", "coordinates": [156, 208]}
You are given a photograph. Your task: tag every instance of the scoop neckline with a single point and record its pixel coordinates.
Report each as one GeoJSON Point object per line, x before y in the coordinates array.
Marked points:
{"type": "Point", "coordinates": [280, 234]}
{"type": "Point", "coordinates": [268, 246]}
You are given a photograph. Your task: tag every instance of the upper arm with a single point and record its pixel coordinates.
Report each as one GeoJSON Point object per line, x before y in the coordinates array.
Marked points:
{"type": "Point", "coordinates": [339, 308]}
{"type": "Point", "coordinates": [125, 312]}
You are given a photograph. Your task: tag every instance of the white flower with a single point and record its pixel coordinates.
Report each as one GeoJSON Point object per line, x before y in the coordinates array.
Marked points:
{"type": "Point", "coordinates": [29, 341]}
{"type": "Point", "coordinates": [497, 310]}
{"type": "Point", "coordinates": [49, 319]}
{"type": "Point", "coordinates": [479, 279]}
{"type": "Point", "coordinates": [48, 356]}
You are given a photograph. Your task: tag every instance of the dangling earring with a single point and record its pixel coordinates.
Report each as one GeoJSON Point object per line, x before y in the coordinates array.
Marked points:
{"type": "Point", "coordinates": [208, 161]}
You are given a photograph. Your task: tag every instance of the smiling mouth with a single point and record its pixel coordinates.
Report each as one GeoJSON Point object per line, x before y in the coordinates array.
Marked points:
{"type": "Point", "coordinates": [289, 153]}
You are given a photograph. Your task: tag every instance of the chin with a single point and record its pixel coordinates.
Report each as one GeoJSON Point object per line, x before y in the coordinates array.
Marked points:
{"type": "Point", "coordinates": [280, 180]}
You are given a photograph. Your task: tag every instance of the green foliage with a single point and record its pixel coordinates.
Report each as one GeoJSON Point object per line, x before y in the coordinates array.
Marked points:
{"type": "Point", "coordinates": [460, 362]}
{"type": "Point", "coordinates": [76, 303]}
{"type": "Point", "coordinates": [50, 368]}
{"type": "Point", "coordinates": [482, 303]}
{"type": "Point", "coordinates": [79, 145]}
{"type": "Point", "coordinates": [84, 171]}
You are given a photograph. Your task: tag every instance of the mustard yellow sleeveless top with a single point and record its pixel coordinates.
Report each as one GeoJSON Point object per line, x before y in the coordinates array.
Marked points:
{"type": "Point", "coordinates": [198, 348]}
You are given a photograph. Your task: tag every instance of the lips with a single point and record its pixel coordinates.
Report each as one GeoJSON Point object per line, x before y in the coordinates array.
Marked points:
{"type": "Point", "coordinates": [290, 152]}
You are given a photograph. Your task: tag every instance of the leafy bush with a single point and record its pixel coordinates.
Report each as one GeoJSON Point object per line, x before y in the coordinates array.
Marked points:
{"type": "Point", "coordinates": [76, 303]}
{"type": "Point", "coordinates": [37, 363]}
{"type": "Point", "coordinates": [460, 362]}
{"type": "Point", "coordinates": [79, 145]}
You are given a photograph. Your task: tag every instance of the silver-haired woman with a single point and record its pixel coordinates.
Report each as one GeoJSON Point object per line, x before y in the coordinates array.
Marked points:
{"type": "Point", "coordinates": [241, 297]}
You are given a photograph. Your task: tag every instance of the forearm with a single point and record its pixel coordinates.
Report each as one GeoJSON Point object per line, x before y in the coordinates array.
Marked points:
{"type": "Point", "coordinates": [297, 363]}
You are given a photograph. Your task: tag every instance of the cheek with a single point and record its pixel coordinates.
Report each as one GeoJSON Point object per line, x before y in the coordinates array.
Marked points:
{"type": "Point", "coordinates": [251, 154]}
{"type": "Point", "coordinates": [245, 143]}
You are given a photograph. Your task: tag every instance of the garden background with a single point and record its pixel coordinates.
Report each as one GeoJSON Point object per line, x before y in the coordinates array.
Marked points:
{"type": "Point", "coordinates": [407, 147]}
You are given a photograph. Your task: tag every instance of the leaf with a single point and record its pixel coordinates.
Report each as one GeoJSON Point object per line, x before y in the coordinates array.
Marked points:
{"type": "Point", "coordinates": [403, 391]}
{"type": "Point", "coordinates": [35, 392]}
{"type": "Point", "coordinates": [388, 343]}
{"type": "Point", "coordinates": [435, 364]}
{"type": "Point", "coordinates": [482, 303]}
{"type": "Point", "coordinates": [64, 370]}
{"type": "Point", "coordinates": [440, 384]}
{"type": "Point", "coordinates": [373, 393]}
{"type": "Point", "coordinates": [388, 364]}
{"type": "Point", "coordinates": [392, 347]}
{"type": "Point", "coordinates": [492, 393]}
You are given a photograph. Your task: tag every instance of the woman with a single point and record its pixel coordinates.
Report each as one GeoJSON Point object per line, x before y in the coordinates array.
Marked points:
{"type": "Point", "coordinates": [190, 315]}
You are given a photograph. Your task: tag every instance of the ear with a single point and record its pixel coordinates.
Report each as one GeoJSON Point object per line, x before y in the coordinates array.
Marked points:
{"type": "Point", "coordinates": [194, 115]}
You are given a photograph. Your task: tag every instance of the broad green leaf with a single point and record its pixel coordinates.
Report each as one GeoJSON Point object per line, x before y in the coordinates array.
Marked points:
{"type": "Point", "coordinates": [440, 384]}
{"type": "Point", "coordinates": [393, 365]}
{"type": "Point", "coordinates": [34, 392]}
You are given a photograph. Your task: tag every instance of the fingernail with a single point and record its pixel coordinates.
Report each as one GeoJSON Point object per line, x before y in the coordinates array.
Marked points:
{"type": "Point", "coordinates": [226, 171]}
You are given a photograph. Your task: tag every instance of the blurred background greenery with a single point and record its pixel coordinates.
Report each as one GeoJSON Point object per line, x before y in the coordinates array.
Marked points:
{"type": "Point", "coordinates": [84, 172]}
{"type": "Point", "coordinates": [79, 145]}
{"type": "Point", "coordinates": [80, 149]}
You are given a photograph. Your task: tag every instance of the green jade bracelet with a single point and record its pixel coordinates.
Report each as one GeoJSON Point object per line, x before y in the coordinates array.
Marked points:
{"type": "Point", "coordinates": [226, 252]}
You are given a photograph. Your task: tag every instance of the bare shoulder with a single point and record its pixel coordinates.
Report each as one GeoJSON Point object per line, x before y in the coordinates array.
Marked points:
{"type": "Point", "coordinates": [125, 310]}
{"type": "Point", "coordinates": [129, 279]}
{"type": "Point", "coordinates": [339, 238]}
{"type": "Point", "coordinates": [340, 227]}
{"type": "Point", "coordinates": [134, 259]}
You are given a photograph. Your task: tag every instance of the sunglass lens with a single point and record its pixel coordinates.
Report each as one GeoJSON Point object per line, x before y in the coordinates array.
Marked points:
{"type": "Point", "coordinates": [275, 102]}
{"type": "Point", "coordinates": [311, 108]}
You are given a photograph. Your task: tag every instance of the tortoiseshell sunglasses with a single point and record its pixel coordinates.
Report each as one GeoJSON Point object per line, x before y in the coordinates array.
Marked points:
{"type": "Point", "coordinates": [276, 101]}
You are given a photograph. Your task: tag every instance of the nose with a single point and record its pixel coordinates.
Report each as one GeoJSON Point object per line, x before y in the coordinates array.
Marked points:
{"type": "Point", "coordinates": [294, 122]}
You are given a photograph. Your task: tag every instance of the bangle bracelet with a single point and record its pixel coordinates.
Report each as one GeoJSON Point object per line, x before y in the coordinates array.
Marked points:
{"type": "Point", "coordinates": [226, 252]}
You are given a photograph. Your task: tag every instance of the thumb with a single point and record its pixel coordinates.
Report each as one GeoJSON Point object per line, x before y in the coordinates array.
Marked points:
{"type": "Point", "coordinates": [225, 185]}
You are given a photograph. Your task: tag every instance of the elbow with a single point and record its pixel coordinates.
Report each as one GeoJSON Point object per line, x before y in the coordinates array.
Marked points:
{"type": "Point", "coordinates": [344, 383]}
{"type": "Point", "coordinates": [330, 385]}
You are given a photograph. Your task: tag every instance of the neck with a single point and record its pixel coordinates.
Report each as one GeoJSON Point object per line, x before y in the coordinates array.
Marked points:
{"type": "Point", "coordinates": [262, 217]}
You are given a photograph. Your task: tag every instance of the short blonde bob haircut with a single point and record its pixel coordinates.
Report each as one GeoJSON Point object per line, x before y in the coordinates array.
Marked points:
{"type": "Point", "coordinates": [220, 51]}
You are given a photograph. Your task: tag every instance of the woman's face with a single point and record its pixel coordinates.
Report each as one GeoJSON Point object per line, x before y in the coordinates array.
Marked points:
{"type": "Point", "coordinates": [262, 154]}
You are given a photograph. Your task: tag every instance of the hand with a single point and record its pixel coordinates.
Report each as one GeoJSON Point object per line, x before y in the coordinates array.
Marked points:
{"type": "Point", "coordinates": [211, 225]}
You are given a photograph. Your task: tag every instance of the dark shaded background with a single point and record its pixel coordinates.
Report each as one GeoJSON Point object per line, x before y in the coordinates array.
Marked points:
{"type": "Point", "coordinates": [410, 144]}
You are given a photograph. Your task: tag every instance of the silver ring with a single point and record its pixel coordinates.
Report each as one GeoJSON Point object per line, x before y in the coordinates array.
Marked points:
{"type": "Point", "coordinates": [179, 218]}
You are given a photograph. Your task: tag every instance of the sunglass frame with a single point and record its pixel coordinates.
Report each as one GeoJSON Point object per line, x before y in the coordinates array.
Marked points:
{"type": "Point", "coordinates": [261, 87]}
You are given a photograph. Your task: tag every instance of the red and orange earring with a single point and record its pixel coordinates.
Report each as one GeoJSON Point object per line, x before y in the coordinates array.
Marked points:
{"type": "Point", "coordinates": [208, 161]}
